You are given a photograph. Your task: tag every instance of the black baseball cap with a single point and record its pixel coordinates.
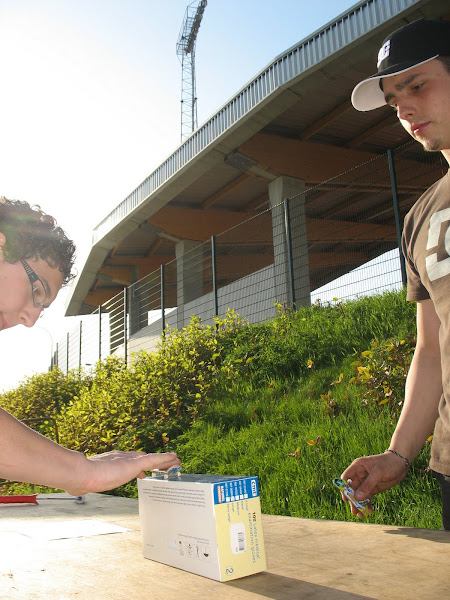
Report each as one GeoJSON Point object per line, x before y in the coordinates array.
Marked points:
{"type": "Point", "coordinates": [407, 47]}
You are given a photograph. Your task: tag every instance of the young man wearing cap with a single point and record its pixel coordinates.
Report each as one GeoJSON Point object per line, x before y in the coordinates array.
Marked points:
{"type": "Point", "coordinates": [414, 78]}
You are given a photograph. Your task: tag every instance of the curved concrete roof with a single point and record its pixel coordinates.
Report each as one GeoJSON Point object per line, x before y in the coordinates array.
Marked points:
{"type": "Point", "coordinates": [294, 118]}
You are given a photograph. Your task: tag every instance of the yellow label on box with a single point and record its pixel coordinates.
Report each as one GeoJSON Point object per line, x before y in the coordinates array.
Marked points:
{"type": "Point", "coordinates": [239, 537]}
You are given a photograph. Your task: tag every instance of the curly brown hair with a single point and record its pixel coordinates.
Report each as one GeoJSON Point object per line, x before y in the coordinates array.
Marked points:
{"type": "Point", "coordinates": [30, 233]}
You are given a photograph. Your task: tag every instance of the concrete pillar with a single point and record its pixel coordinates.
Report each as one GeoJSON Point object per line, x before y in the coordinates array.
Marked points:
{"type": "Point", "coordinates": [279, 189]}
{"type": "Point", "coordinates": [189, 276]}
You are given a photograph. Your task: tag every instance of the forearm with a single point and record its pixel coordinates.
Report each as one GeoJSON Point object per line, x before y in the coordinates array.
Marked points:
{"type": "Point", "coordinates": [25, 455]}
{"type": "Point", "coordinates": [422, 394]}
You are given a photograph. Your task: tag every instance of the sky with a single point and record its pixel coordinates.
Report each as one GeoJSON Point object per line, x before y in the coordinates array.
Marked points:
{"type": "Point", "coordinates": [90, 106]}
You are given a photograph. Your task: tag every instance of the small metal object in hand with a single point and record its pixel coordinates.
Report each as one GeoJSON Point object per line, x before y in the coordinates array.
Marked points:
{"type": "Point", "coordinates": [172, 473]}
{"type": "Point", "coordinates": [348, 492]}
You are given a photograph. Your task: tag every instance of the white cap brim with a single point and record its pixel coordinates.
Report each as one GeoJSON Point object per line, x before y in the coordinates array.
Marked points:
{"type": "Point", "coordinates": [368, 94]}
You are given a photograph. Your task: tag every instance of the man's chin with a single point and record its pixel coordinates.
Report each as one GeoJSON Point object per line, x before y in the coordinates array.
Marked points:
{"type": "Point", "coordinates": [431, 145]}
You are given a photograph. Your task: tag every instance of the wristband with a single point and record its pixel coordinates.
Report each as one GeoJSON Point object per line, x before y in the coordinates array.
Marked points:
{"type": "Point", "coordinates": [405, 460]}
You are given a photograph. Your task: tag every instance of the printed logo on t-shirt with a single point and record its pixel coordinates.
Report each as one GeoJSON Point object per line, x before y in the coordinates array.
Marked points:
{"type": "Point", "coordinates": [438, 263]}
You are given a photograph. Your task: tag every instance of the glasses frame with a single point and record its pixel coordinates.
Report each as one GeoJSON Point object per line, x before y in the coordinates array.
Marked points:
{"type": "Point", "coordinates": [33, 277]}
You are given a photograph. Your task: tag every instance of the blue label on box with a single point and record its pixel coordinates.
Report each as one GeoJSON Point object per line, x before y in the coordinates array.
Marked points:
{"type": "Point", "coordinates": [236, 489]}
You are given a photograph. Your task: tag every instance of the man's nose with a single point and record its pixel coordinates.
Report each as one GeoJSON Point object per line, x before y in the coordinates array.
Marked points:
{"type": "Point", "coordinates": [405, 108]}
{"type": "Point", "coordinates": [30, 315]}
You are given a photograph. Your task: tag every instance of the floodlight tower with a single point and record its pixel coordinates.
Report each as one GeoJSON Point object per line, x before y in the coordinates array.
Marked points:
{"type": "Point", "coordinates": [186, 50]}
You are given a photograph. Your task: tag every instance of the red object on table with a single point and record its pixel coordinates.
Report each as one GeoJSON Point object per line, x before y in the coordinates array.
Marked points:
{"type": "Point", "coordinates": [19, 499]}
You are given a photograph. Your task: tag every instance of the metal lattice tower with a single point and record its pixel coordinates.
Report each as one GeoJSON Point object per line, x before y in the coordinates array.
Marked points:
{"type": "Point", "coordinates": [186, 50]}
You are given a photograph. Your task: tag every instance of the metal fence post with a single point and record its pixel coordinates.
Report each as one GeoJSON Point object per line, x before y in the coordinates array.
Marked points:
{"type": "Point", "coordinates": [125, 328]}
{"type": "Point", "coordinates": [163, 301]}
{"type": "Point", "coordinates": [287, 225]}
{"type": "Point", "coordinates": [52, 351]}
{"type": "Point", "coordinates": [100, 332]}
{"type": "Point", "coordinates": [80, 348]}
{"type": "Point", "coordinates": [67, 354]}
{"type": "Point", "coordinates": [214, 275]}
{"type": "Point", "coordinates": [398, 226]}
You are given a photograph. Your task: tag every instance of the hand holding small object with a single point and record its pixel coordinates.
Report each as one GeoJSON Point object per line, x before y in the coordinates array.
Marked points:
{"type": "Point", "coordinates": [362, 507]}
{"type": "Point", "coordinates": [371, 475]}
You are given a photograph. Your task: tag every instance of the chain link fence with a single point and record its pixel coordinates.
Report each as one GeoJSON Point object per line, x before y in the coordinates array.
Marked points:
{"type": "Point", "coordinates": [337, 241]}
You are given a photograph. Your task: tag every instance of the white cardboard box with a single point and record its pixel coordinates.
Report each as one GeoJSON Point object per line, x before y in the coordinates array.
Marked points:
{"type": "Point", "coordinates": [206, 524]}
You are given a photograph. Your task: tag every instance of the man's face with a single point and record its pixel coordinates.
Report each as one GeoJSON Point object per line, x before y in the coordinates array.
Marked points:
{"type": "Point", "coordinates": [16, 300]}
{"type": "Point", "coordinates": [421, 97]}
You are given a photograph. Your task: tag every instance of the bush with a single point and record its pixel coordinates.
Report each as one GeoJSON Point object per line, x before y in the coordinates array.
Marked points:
{"type": "Point", "coordinates": [153, 400]}
{"type": "Point", "coordinates": [382, 371]}
{"type": "Point", "coordinates": [43, 395]}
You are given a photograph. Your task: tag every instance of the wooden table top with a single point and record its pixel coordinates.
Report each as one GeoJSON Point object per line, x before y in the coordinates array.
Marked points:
{"type": "Point", "coordinates": [310, 559]}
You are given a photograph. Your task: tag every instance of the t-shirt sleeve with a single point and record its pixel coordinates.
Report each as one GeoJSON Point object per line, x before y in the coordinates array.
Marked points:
{"type": "Point", "coordinates": [415, 291]}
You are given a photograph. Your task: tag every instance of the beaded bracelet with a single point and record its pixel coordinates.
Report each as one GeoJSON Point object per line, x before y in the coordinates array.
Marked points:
{"type": "Point", "coordinates": [405, 460]}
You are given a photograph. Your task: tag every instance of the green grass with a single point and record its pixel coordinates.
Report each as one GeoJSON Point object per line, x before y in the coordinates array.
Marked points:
{"type": "Point", "coordinates": [265, 432]}
{"type": "Point", "coordinates": [262, 427]}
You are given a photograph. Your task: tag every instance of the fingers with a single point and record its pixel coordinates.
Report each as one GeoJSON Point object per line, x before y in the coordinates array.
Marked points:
{"type": "Point", "coordinates": [148, 462]}
{"type": "Point", "coordinates": [354, 510]}
{"type": "Point", "coordinates": [357, 472]}
{"type": "Point", "coordinates": [159, 461]}
{"type": "Point", "coordinates": [367, 488]}
{"type": "Point", "coordinates": [167, 458]}
{"type": "Point", "coordinates": [358, 513]}
{"type": "Point", "coordinates": [112, 469]}
{"type": "Point", "coordinates": [364, 475]}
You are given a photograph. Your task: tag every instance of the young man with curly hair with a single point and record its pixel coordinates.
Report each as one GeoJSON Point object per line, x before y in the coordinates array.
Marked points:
{"type": "Point", "coordinates": [36, 260]}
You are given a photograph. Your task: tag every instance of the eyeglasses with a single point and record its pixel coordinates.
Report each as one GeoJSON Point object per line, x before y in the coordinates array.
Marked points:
{"type": "Point", "coordinates": [38, 288]}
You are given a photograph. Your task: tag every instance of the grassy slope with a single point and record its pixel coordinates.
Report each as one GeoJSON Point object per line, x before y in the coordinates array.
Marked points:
{"type": "Point", "coordinates": [298, 431]}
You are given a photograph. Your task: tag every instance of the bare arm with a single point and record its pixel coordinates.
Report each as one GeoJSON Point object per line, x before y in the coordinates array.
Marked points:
{"type": "Point", "coordinates": [373, 474]}
{"type": "Point", "coordinates": [423, 389]}
{"type": "Point", "coordinates": [25, 455]}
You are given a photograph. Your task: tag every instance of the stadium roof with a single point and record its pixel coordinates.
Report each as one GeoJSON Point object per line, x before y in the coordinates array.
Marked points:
{"type": "Point", "coordinates": [294, 118]}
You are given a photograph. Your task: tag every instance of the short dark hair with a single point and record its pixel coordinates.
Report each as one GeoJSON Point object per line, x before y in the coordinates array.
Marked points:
{"type": "Point", "coordinates": [445, 60]}
{"type": "Point", "coordinates": [30, 233]}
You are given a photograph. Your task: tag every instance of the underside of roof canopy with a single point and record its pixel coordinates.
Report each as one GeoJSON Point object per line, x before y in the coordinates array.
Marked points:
{"type": "Point", "coordinates": [294, 119]}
